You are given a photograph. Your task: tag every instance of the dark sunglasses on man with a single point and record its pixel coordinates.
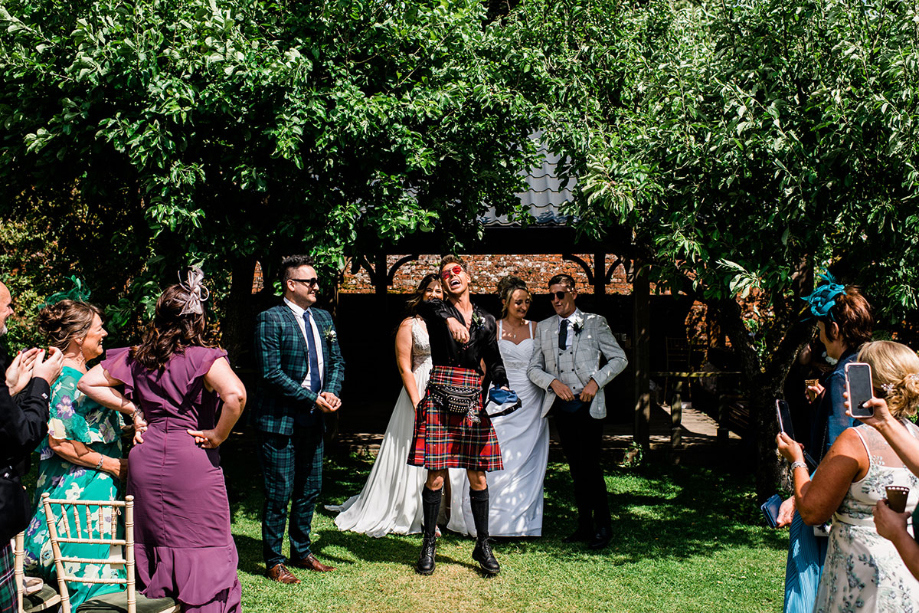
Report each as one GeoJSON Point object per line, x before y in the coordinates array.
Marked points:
{"type": "Point", "coordinates": [310, 283]}
{"type": "Point", "coordinates": [558, 295]}
{"type": "Point", "coordinates": [451, 271]}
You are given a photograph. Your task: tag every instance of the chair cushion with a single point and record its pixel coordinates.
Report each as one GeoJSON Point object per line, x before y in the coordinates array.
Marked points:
{"type": "Point", "coordinates": [41, 600]}
{"type": "Point", "coordinates": [117, 602]}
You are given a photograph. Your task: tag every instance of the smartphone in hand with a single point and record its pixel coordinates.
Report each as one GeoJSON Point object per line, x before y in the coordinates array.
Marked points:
{"type": "Point", "coordinates": [783, 412]}
{"type": "Point", "coordinates": [858, 385]}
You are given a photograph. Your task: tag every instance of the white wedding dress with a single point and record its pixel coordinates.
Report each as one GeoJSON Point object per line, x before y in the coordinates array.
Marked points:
{"type": "Point", "coordinates": [391, 499]}
{"type": "Point", "coordinates": [515, 493]}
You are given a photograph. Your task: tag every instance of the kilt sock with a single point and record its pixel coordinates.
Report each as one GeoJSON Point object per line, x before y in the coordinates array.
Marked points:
{"type": "Point", "coordinates": [478, 502]}
{"type": "Point", "coordinates": [430, 509]}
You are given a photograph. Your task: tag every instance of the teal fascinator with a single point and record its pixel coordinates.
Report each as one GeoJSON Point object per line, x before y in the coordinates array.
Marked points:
{"type": "Point", "coordinates": [824, 297]}
{"type": "Point", "coordinates": [78, 293]}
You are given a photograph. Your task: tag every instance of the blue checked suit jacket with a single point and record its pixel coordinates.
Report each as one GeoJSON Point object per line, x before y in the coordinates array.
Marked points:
{"type": "Point", "coordinates": [283, 362]}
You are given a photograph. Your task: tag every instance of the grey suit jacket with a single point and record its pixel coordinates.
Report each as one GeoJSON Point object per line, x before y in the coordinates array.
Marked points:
{"type": "Point", "coordinates": [594, 340]}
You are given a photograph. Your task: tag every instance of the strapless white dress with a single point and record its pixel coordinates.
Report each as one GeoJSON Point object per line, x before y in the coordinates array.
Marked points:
{"type": "Point", "coordinates": [515, 493]}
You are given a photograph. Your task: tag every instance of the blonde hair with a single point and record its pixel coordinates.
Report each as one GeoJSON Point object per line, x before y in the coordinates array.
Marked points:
{"type": "Point", "coordinates": [895, 370]}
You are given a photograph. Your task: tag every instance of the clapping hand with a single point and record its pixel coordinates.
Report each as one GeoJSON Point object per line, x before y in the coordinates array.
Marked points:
{"type": "Point", "coordinates": [48, 364]}
{"type": "Point", "coordinates": [20, 371]}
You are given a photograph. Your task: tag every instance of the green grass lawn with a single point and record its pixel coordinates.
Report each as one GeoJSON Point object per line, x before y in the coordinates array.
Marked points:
{"type": "Point", "coordinates": [684, 539]}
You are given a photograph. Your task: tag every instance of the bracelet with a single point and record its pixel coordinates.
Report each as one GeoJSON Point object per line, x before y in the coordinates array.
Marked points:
{"type": "Point", "coordinates": [795, 465]}
{"type": "Point", "coordinates": [99, 463]}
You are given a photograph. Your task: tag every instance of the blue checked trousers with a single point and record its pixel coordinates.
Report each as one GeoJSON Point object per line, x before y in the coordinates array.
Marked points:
{"type": "Point", "coordinates": [292, 468]}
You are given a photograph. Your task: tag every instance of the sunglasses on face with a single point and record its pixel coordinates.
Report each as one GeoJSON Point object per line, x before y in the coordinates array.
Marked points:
{"type": "Point", "coordinates": [451, 271]}
{"type": "Point", "coordinates": [310, 283]}
{"type": "Point", "coordinates": [558, 295]}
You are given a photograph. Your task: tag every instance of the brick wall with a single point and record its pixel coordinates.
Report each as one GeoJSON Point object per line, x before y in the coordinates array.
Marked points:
{"type": "Point", "coordinates": [487, 270]}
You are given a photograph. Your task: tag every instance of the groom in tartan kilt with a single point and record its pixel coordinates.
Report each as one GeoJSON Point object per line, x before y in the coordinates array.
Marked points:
{"type": "Point", "coordinates": [300, 372]}
{"type": "Point", "coordinates": [451, 429]}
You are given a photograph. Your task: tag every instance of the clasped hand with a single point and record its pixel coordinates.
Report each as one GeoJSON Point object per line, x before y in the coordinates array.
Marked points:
{"type": "Point", "coordinates": [564, 392]}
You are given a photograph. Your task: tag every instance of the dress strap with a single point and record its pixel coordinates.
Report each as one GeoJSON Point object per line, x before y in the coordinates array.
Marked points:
{"type": "Point", "coordinates": [500, 329]}
{"type": "Point", "coordinates": [532, 331]}
{"type": "Point", "coordinates": [865, 443]}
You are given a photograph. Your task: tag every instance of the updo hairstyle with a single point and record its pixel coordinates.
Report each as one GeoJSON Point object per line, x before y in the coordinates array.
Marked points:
{"type": "Point", "coordinates": [67, 320]}
{"type": "Point", "coordinates": [852, 313]}
{"type": "Point", "coordinates": [506, 288]}
{"type": "Point", "coordinates": [170, 332]}
{"type": "Point", "coordinates": [894, 374]}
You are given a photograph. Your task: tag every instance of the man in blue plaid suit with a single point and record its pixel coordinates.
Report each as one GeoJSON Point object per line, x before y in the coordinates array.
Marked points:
{"type": "Point", "coordinates": [300, 372]}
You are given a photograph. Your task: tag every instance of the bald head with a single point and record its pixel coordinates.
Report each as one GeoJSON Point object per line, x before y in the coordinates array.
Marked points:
{"type": "Point", "coordinates": [6, 308]}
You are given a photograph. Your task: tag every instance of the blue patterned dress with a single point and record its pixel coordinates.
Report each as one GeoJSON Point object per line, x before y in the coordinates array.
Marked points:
{"type": "Point", "coordinates": [77, 418]}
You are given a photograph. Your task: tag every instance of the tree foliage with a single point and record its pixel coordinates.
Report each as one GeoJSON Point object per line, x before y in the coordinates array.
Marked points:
{"type": "Point", "coordinates": [221, 131]}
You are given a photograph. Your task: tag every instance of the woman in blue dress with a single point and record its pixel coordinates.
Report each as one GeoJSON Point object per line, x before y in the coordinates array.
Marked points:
{"type": "Point", "coordinates": [844, 323]}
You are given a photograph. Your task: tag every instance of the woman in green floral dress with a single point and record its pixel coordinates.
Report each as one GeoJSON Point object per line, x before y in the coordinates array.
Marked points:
{"type": "Point", "coordinates": [81, 459]}
{"type": "Point", "coordinates": [863, 571]}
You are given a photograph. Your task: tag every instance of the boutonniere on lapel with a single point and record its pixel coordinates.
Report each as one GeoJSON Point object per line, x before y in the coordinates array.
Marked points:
{"type": "Point", "coordinates": [331, 336]}
{"type": "Point", "coordinates": [577, 324]}
{"type": "Point", "coordinates": [477, 321]}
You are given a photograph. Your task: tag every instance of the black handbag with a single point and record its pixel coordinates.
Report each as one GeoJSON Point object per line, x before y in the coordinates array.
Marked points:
{"type": "Point", "coordinates": [15, 512]}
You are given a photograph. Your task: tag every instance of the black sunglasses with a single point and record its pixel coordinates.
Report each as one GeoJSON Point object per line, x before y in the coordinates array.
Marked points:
{"type": "Point", "coordinates": [558, 295]}
{"type": "Point", "coordinates": [311, 283]}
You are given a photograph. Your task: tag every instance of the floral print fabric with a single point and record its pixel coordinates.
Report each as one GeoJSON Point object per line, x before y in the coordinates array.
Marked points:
{"type": "Point", "coordinates": [77, 418]}
{"type": "Point", "coordinates": [863, 571]}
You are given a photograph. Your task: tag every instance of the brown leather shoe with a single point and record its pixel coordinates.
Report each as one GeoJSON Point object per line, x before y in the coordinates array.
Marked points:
{"type": "Point", "coordinates": [279, 573]}
{"type": "Point", "coordinates": [311, 563]}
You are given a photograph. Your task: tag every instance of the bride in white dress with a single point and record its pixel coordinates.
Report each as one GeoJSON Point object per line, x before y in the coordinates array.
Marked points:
{"type": "Point", "coordinates": [515, 493]}
{"type": "Point", "coordinates": [391, 498]}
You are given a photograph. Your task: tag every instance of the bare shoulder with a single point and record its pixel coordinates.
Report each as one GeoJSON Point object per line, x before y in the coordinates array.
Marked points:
{"type": "Point", "coordinates": [849, 443]}
{"type": "Point", "coordinates": [406, 324]}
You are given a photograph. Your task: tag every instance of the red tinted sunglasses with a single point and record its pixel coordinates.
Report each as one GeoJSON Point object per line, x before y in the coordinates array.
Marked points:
{"type": "Point", "coordinates": [451, 271]}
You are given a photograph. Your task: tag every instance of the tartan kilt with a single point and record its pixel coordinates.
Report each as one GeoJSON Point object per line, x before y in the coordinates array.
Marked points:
{"type": "Point", "coordinates": [444, 439]}
{"type": "Point", "coordinates": [9, 602]}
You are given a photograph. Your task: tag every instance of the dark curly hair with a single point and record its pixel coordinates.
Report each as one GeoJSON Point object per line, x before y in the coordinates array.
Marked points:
{"type": "Point", "coordinates": [66, 320]}
{"type": "Point", "coordinates": [170, 332]}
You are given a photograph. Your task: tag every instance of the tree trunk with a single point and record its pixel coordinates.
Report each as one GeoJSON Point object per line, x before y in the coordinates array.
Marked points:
{"type": "Point", "coordinates": [238, 320]}
{"type": "Point", "coordinates": [763, 386]}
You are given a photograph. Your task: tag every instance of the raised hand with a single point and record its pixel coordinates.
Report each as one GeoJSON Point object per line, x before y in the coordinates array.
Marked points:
{"type": "Point", "coordinates": [48, 364]}
{"type": "Point", "coordinates": [20, 370]}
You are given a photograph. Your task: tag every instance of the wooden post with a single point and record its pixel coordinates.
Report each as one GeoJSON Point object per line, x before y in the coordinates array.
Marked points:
{"type": "Point", "coordinates": [599, 278]}
{"type": "Point", "coordinates": [641, 352]}
{"type": "Point", "coordinates": [676, 416]}
{"type": "Point", "coordinates": [379, 280]}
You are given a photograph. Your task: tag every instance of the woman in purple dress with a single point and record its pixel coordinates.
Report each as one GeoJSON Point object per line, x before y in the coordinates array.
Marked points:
{"type": "Point", "coordinates": [184, 548]}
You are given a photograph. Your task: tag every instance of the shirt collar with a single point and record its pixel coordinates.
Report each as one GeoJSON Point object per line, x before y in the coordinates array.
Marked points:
{"type": "Point", "coordinates": [298, 311]}
{"type": "Point", "coordinates": [577, 312]}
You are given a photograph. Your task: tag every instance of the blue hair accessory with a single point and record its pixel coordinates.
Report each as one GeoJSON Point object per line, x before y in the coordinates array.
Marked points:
{"type": "Point", "coordinates": [824, 297]}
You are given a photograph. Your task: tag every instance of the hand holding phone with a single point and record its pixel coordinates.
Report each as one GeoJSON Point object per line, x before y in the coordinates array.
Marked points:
{"type": "Point", "coordinates": [859, 388]}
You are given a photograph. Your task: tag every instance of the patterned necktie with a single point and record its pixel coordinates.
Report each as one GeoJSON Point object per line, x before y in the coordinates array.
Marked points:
{"type": "Point", "coordinates": [315, 380]}
{"type": "Point", "coordinates": [563, 335]}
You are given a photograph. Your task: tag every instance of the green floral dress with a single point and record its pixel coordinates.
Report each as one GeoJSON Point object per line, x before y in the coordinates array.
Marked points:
{"type": "Point", "coordinates": [863, 571]}
{"type": "Point", "coordinates": [77, 418]}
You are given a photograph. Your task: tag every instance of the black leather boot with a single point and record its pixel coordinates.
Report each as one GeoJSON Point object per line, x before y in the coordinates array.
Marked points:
{"type": "Point", "coordinates": [478, 501]}
{"type": "Point", "coordinates": [484, 556]}
{"type": "Point", "coordinates": [425, 565]}
{"type": "Point", "coordinates": [430, 507]}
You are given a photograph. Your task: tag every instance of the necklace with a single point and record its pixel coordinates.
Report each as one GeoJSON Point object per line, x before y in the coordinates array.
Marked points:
{"type": "Point", "coordinates": [517, 328]}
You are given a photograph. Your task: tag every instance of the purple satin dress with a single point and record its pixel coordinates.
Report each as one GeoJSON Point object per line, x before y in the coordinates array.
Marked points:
{"type": "Point", "coordinates": [184, 548]}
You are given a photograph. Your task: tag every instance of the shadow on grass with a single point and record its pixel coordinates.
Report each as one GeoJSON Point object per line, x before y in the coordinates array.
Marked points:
{"type": "Point", "coordinates": [659, 511]}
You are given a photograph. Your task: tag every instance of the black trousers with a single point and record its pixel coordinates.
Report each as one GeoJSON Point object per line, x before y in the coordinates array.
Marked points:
{"type": "Point", "coordinates": [581, 437]}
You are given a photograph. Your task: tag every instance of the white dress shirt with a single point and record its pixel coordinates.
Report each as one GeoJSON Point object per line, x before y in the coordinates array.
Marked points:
{"type": "Point", "coordinates": [570, 339]}
{"type": "Point", "coordinates": [298, 313]}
